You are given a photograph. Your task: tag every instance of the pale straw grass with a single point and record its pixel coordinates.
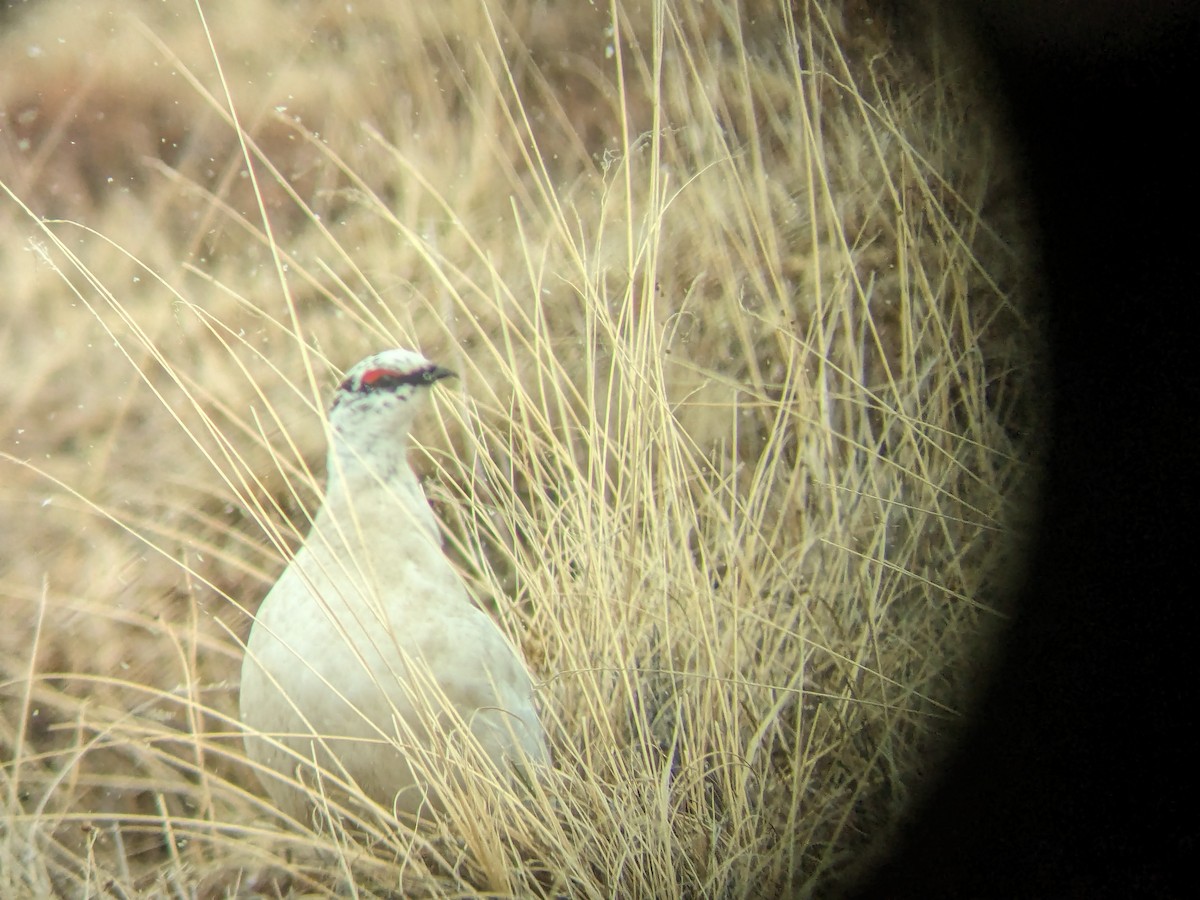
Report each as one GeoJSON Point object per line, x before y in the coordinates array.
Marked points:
{"type": "Point", "coordinates": [742, 455]}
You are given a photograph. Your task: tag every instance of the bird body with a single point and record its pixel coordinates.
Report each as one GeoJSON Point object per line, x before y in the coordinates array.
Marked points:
{"type": "Point", "coordinates": [367, 656]}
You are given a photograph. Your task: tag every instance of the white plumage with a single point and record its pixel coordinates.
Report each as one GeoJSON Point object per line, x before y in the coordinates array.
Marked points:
{"type": "Point", "coordinates": [367, 656]}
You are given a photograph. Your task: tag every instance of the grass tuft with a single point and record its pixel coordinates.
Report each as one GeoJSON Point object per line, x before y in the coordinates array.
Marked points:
{"type": "Point", "coordinates": [744, 456]}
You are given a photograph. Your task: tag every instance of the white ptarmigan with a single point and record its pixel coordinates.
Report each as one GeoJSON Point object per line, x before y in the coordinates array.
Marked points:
{"type": "Point", "coordinates": [367, 657]}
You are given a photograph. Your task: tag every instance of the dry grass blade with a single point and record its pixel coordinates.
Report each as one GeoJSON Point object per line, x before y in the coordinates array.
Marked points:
{"type": "Point", "coordinates": [743, 458]}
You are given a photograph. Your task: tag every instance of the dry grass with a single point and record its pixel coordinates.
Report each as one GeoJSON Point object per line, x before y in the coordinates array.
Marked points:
{"type": "Point", "coordinates": [743, 453]}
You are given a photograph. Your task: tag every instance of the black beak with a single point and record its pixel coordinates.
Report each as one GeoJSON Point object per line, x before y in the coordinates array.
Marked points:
{"type": "Point", "coordinates": [437, 373]}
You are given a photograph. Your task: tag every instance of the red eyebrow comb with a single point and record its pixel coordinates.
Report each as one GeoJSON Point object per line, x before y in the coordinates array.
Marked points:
{"type": "Point", "coordinates": [373, 375]}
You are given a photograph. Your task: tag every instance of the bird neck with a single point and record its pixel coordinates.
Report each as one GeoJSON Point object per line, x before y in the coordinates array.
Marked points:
{"type": "Point", "coordinates": [376, 482]}
{"type": "Point", "coordinates": [379, 460]}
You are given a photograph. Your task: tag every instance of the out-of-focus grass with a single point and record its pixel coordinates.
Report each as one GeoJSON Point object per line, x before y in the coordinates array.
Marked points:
{"type": "Point", "coordinates": [743, 455]}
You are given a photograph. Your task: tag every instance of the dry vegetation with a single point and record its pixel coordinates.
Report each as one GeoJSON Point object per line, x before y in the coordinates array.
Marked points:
{"type": "Point", "coordinates": [742, 454]}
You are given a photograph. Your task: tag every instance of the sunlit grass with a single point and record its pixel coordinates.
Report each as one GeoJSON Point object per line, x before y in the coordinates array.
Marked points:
{"type": "Point", "coordinates": [744, 443]}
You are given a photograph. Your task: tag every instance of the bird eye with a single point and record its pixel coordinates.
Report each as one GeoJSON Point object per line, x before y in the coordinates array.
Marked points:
{"type": "Point", "coordinates": [384, 379]}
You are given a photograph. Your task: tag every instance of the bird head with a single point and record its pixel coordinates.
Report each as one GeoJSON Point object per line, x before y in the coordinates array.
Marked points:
{"type": "Point", "coordinates": [374, 407]}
